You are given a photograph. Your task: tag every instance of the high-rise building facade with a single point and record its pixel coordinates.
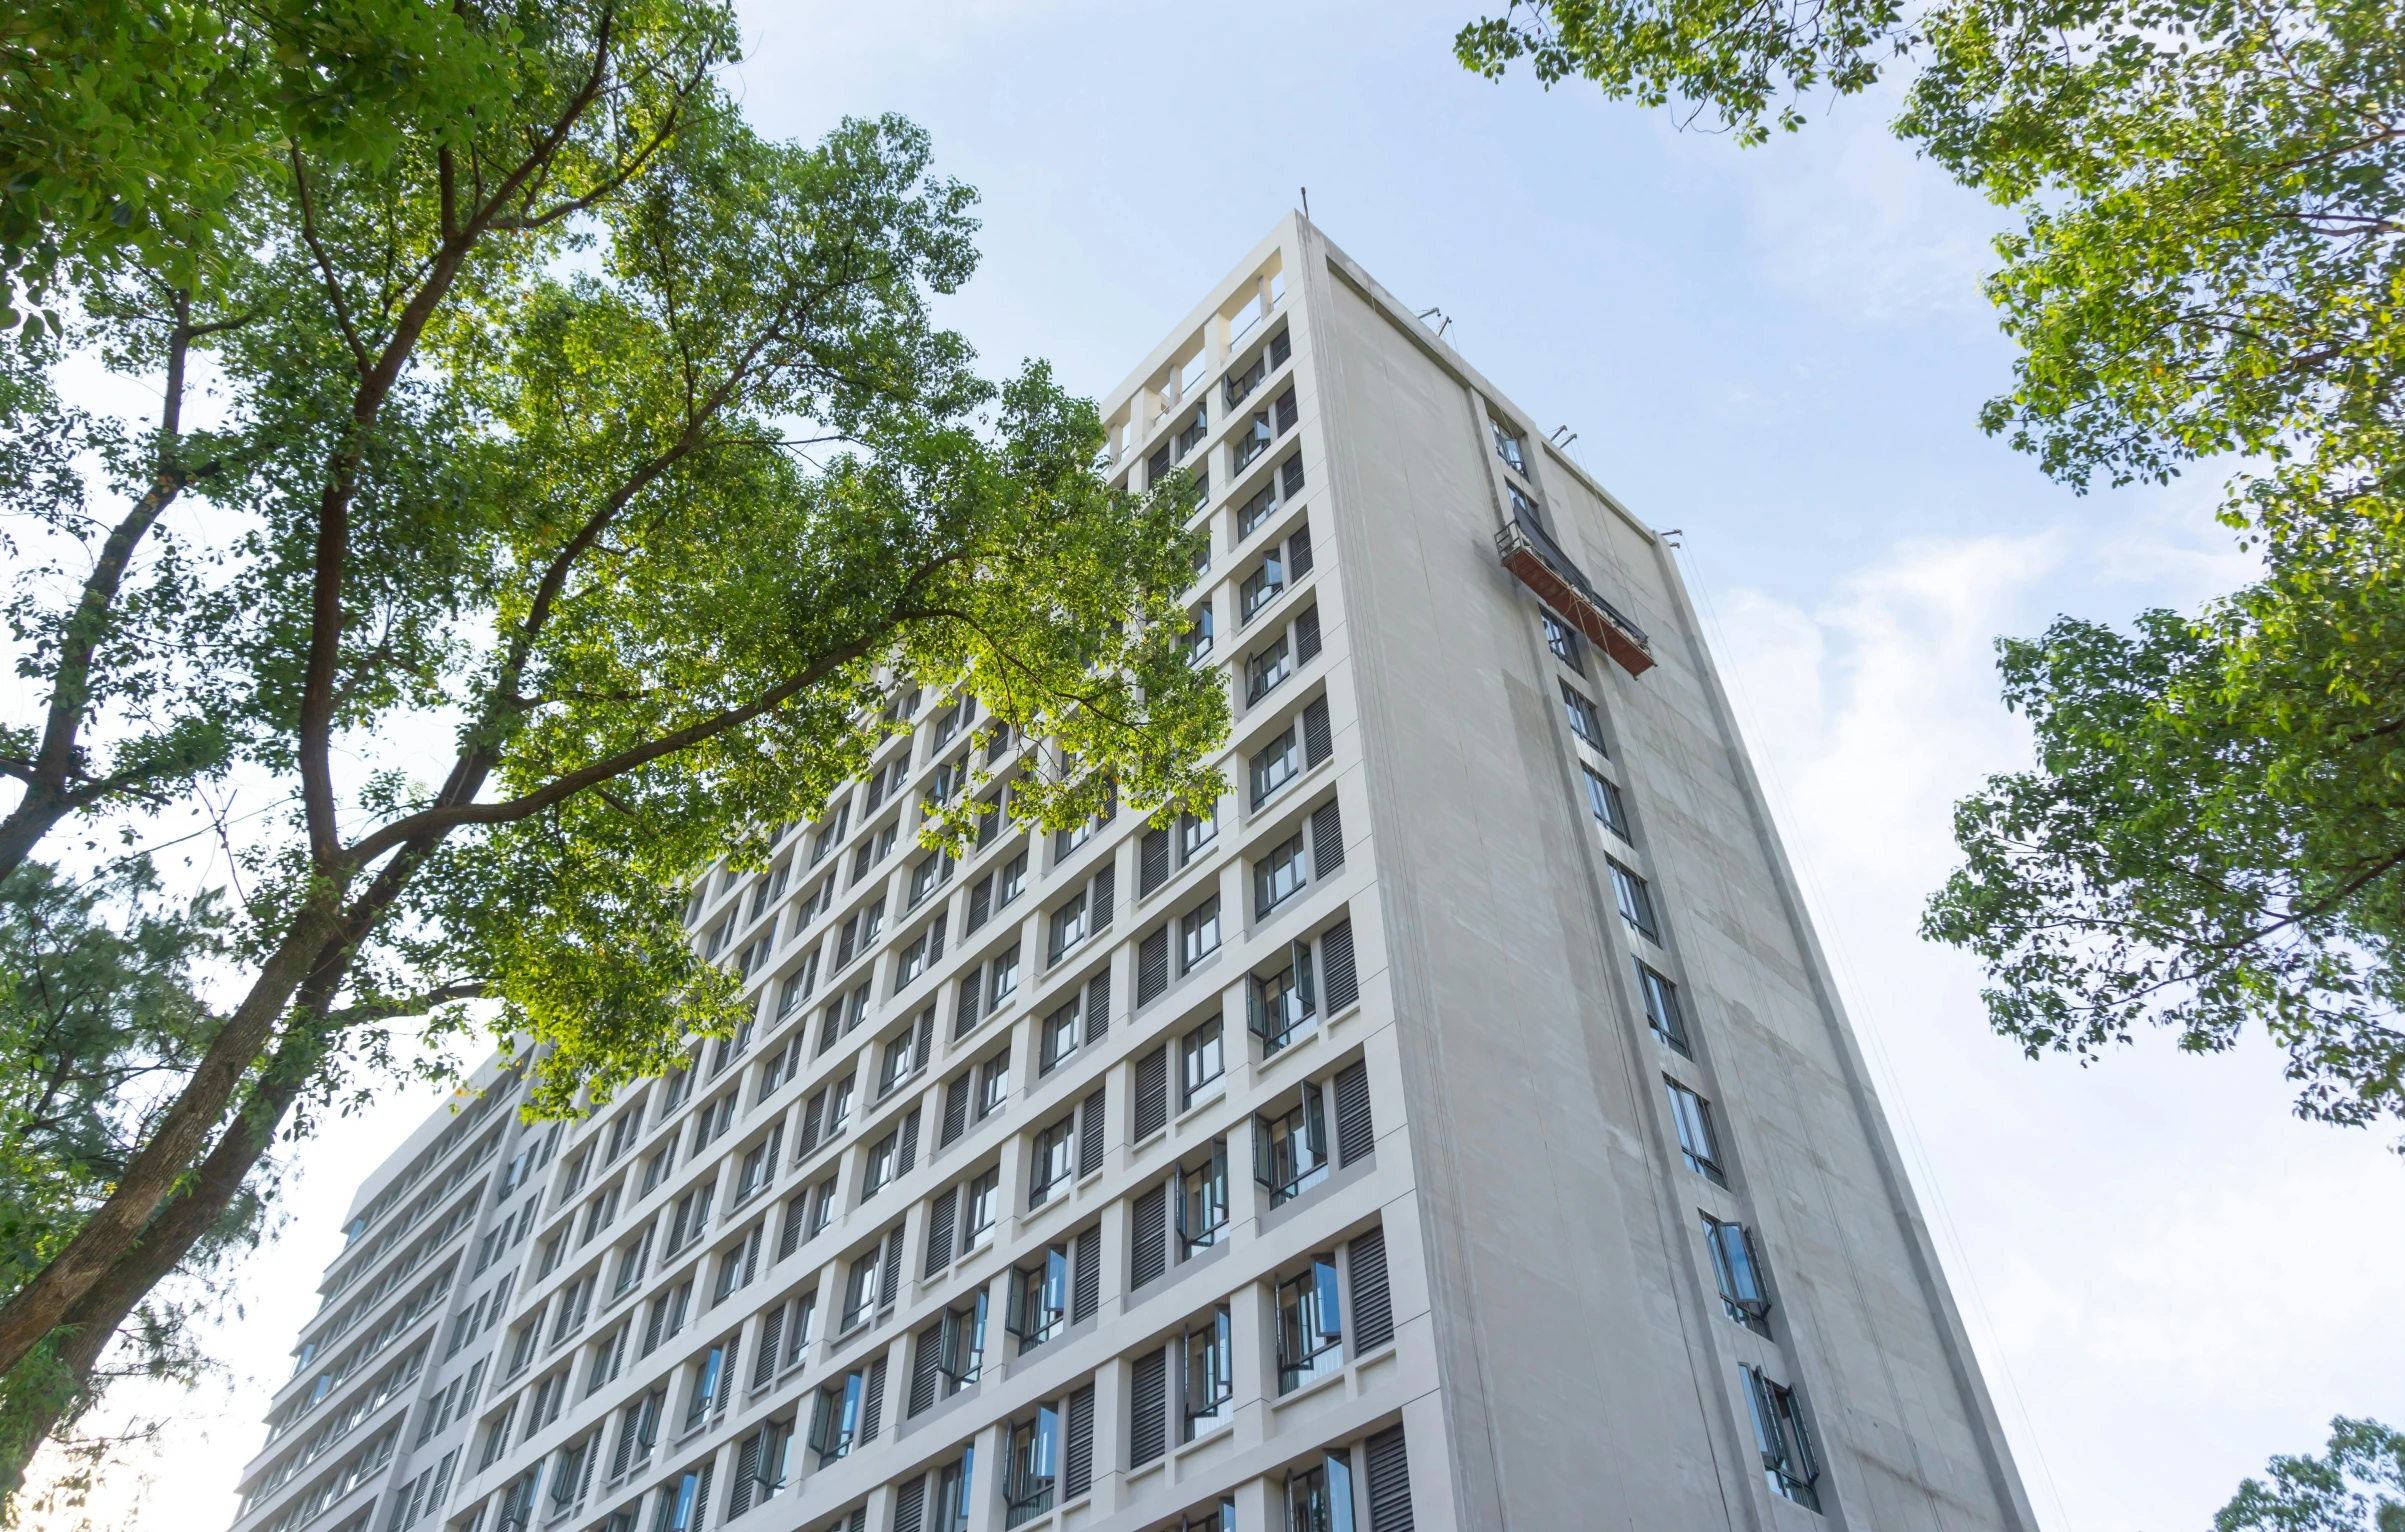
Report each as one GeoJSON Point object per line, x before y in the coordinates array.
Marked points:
{"type": "Point", "coordinates": [1456, 1129]}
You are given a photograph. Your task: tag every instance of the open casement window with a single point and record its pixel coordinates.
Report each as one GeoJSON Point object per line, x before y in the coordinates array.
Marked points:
{"type": "Point", "coordinates": [1635, 901]}
{"type": "Point", "coordinates": [760, 1465]}
{"type": "Point", "coordinates": [1509, 447]}
{"type": "Point", "coordinates": [1662, 1010]}
{"type": "Point", "coordinates": [1031, 1469]}
{"type": "Point", "coordinates": [1310, 1324]}
{"type": "Point", "coordinates": [1737, 1271]}
{"type": "Point", "coordinates": [937, 1501]}
{"type": "Point", "coordinates": [835, 1416]}
{"type": "Point", "coordinates": [1697, 1142]}
{"type": "Point", "coordinates": [1320, 1498]}
{"type": "Point", "coordinates": [1282, 1005]}
{"type": "Point", "coordinates": [1206, 1375]}
{"type": "Point", "coordinates": [1604, 798]}
{"type": "Point", "coordinates": [948, 1355]}
{"type": "Point", "coordinates": [1062, 1286]}
{"type": "Point", "coordinates": [1290, 1148]}
{"type": "Point", "coordinates": [1789, 1464]}
{"type": "Point", "coordinates": [1201, 1198]}
{"type": "Point", "coordinates": [1565, 642]}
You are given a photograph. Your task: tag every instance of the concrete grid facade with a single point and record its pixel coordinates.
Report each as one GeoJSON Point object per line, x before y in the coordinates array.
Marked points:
{"type": "Point", "coordinates": [1460, 1130]}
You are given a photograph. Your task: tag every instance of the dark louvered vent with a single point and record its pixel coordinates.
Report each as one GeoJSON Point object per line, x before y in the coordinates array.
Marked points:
{"type": "Point", "coordinates": [964, 1015]}
{"type": "Point", "coordinates": [1085, 1283]}
{"type": "Point", "coordinates": [1099, 901]}
{"type": "Point", "coordinates": [1306, 637]}
{"type": "Point", "coordinates": [1152, 1094]}
{"type": "Point", "coordinates": [1389, 1483]}
{"type": "Point", "coordinates": [747, 1471]}
{"type": "Point", "coordinates": [872, 1403]}
{"type": "Point", "coordinates": [908, 1154]}
{"type": "Point", "coordinates": [772, 1329]}
{"type": "Point", "coordinates": [1152, 966]}
{"type": "Point", "coordinates": [1152, 861]}
{"type": "Point", "coordinates": [1298, 553]}
{"type": "Point", "coordinates": [926, 1353]}
{"type": "Point", "coordinates": [1077, 1461]}
{"type": "Point", "coordinates": [1089, 1133]}
{"type": "Point", "coordinates": [1290, 475]}
{"type": "Point", "coordinates": [1148, 1410]}
{"type": "Point", "coordinates": [1286, 412]}
{"type": "Point", "coordinates": [956, 1108]}
{"type": "Point", "coordinates": [910, 1506]}
{"type": "Point", "coordinates": [1338, 987]}
{"type": "Point", "coordinates": [1098, 1007]}
{"type": "Point", "coordinates": [889, 1282]}
{"type": "Point", "coordinates": [939, 1231]}
{"type": "Point", "coordinates": [1373, 1309]}
{"type": "Point", "coordinates": [1148, 1241]}
{"type": "Point", "coordinates": [1327, 839]}
{"type": "Point", "coordinates": [1316, 740]}
{"type": "Point", "coordinates": [1355, 1137]}
{"type": "Point", "coordinates": [1281, 346]}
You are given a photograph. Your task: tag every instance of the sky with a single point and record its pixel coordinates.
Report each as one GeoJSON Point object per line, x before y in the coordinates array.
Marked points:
{"type": "Point", "coordinates": [1780, 352]}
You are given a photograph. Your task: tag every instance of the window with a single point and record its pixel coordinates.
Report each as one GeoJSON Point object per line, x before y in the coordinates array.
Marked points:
{"type": "Point", "coordinates": [948, 1504]}
{"type": "Point", "coordinates": [931, 873]}
{"type": "Point", "coordinates": [1013, 880]}
{"type": "Point", "coordinates": [1032, 1466]}
{"type": "Point", "coordinates": [1197, 426]}
{"type": "Point", "coordinates": [1737, 1269]}
{"type": "Point", "coordinates": [1662, 1011]}
{"type": "Point", "coordinates": [1198, 933]}
{"type": "Point", "coordinates": [1290, 1149]}
{"type": "Point", "coordinates": [760, 1465]}
{"type": "Point", "coordinates": [1237, 385]}
{"type": "Point", "coordinates": [1282, 1004]}
{"type": "Point", "coordinates": [1207, 1371]}
{"type": "Point", "coordinates": [1068, 925]}
{"type": "Point", "coordinates": [1310, 1325]}
{"type": "Point", "coordinates": [1053, 1163]}
{"type": "Point", "coordinates": [1636, 903]}
{"type": "Point", "coordinates": [1278, 876]}
{"type": "Point", "coordinates": [1193, 834]}
{"type": "Point", "coordinates": [924, 949]}
{"type": "Point", "coordinates": [822, 1208]}
{"type": "Point", "coordinates": [1202, 1207]}
{"type": "Point", "coordinates": [1198, 634]}
{"type": "Point", "coordinates": [1255, 511]}
{"type": "Point", "coordinates": [1584, 721]}
{"type": "Point", "coordinates": [1788, 1462]}
{"type": "Point", "coordinates": [1264, 670]}
{"type": "Point", "coordinates": [1274, 765]}
{"type": "Point", "coordinates": [1604, 799]}
{"type": "Point", "coordinates": [1264, 585]}
{"type": "Point", "coordinates": [1202, 1063]}
{"type": "Point", "coordinates": [1320, 1498]}
{"type": "Point", "coordinates": [860, 1289]}
{"type": "Point", "coordinates": [1507, 446]}
{"type": "Point", "coordinates": [981, 1210]}
{"type": "Point", "coordinates": [1692, 1115]}
{"type": "Point", "coordinates": [835, 1417]}
{"type": "Point", "coordinates": [1056, 1039]}
{"type": "Point", "coordinates": [1040, 1298]}
{"type": "Point", "coordinates": [1564, 642]}
{"type": "Point", "coordinates": [1523, 508]}
{"type": "Point", "coordinates": [1253, 440]}
{"type": "Point", "coordinates": [1002, 980]}
{"type": "Point", "coordinates": [709, 1376]}
{"type": "Point", "coordinates": [993, 1084]}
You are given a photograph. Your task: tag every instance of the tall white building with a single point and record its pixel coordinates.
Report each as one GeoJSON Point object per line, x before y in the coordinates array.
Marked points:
{"type": "Point", "coordinates": [1459, 1129]}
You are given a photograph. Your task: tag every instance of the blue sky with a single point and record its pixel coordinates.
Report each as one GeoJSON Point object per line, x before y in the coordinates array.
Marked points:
{"type": "Point", "coordinates": [1780, 351]}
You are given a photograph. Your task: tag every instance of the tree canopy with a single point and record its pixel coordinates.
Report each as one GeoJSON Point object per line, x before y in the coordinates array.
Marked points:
{"type": "Point", "coordinates": [559, 415]}
{"type": "Point", "coordinates": [2210, 196]}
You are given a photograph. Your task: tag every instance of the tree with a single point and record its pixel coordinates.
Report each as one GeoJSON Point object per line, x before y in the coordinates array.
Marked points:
{"type": "Point", "coordinates": [2359, 1487]}
{"type": "Point", "coordinates": [571, 418]}
{"type": "Point", "coordinates": [93, 1019]}
{"type": "Point", "coordinates": [2210, 196]}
